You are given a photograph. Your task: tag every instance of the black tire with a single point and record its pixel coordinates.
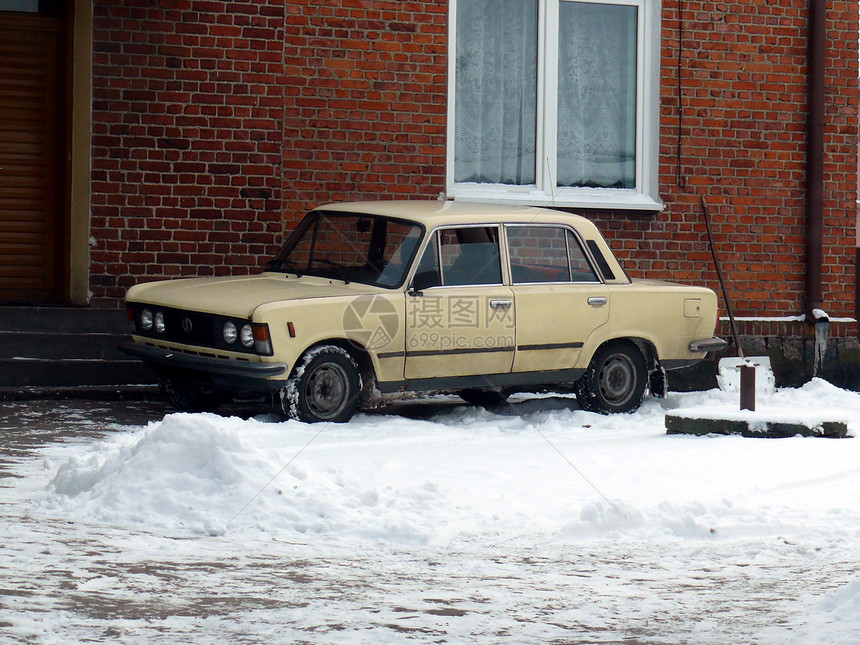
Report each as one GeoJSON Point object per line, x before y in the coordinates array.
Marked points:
{"type": "Point", "coordinates": [489, 399]}
{"type": "Point", "coordinates": [187, 397]}
{"type": "Point", "coordinates": [324, 387]}
{"type": "Point", "coordinates": [614, 381]}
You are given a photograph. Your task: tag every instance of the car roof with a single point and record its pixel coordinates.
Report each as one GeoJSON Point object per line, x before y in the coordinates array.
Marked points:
{"type": "Point", "coordinates": [434, 213]}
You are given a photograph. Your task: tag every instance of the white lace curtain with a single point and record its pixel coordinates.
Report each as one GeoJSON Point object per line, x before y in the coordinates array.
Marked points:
{"type": "Point", "coordinates": [597, 95]}
{"type": "Point", "coordinates": [496, 93]}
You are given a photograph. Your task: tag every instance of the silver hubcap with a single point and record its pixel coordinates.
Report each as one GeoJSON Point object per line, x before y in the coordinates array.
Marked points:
{"type": "Point", "coordinates": [327, 391]}
{"type": "Point", "coordinates": [617, 379]}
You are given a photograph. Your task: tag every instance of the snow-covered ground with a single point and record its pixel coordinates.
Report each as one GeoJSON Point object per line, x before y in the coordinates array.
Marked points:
{"type": "Point", "coordinates": [445, 523]}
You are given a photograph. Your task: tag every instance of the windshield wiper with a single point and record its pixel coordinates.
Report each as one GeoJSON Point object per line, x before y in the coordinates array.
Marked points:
{"type": "Point", "coordinates": [333, 275]}
{"type": "Point", "coordinates": [330, 262]}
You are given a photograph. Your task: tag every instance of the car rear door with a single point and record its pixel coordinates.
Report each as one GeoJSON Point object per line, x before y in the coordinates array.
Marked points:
{"type": "Point", "coordinates": [560, 299]}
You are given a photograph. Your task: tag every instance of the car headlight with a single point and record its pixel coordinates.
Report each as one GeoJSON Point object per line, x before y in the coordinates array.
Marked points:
{"type": "Point", "coordinates": [247, 336]}
{"type": "Point", "coordinates": [146, 319]}
{"type": "Point", "coordinates": [229, 333]}
{"type": "Point", "coordinates": [159, 322]}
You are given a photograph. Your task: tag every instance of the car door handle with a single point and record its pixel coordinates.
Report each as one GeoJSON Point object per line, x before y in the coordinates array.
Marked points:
{"type": "Point", "coordinates": [597, 301]}
{"type": "Point", "coordinates": [503, 304]}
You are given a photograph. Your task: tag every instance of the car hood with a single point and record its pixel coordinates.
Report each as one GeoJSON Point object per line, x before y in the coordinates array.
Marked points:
{"type": "Point", "coordinates": [240, 296]}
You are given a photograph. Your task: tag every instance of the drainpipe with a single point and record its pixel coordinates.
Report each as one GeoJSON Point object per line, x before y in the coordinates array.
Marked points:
{"type": "Point", "coordinates": [857, 272]}
{"type": "Point", "coordinates": [815, 156]}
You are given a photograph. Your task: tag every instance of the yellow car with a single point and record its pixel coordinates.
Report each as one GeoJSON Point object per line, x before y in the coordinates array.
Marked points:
{"type": "Point", "coordinates": [371, 298]}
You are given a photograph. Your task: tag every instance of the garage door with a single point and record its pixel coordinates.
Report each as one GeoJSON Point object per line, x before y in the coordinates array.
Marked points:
{"type": "Point", "coordinates": [30, 231]}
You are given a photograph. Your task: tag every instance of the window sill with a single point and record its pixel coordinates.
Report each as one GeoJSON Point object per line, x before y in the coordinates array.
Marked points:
{"type": "Point", "coordinates": [585, 198]}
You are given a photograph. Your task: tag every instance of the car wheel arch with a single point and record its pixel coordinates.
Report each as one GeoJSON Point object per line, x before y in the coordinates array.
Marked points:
{"type": "Point", "coordinates": [649, 351]}
{"type": "Point", "coordinates": [357, 352]}
{"type": "Point", "coordinates": [645, 345]}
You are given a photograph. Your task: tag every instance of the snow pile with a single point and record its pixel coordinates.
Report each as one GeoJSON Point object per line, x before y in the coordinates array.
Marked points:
{"type": "Point", "coordinates": [843, 604]}
{"type": "Point", "coordinates": [833, 619]}
{"type": "Point", "coordinates": [202, 471]}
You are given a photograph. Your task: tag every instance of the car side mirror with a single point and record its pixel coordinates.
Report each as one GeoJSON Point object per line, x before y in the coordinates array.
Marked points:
{"type": "Point", "coordinates": [425, 280]}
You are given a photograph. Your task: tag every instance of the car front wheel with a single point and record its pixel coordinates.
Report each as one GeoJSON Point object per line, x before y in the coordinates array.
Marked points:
{"type": "Point", "coordinates": [325, 387]}
{"type": "Point", "coordinates": [614, 381]}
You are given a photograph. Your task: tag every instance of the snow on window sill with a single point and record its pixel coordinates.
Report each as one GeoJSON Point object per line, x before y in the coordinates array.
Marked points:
{"type": "Point", "coordinates": [585, 198]}
{"type": "Point", "coordinates": [782, 319]}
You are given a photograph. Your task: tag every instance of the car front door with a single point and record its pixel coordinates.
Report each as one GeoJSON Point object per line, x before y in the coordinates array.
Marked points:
{"type": "Point", "coordinates": [459, 315]}
{"type": "Point", "coordinates": [560, 298]}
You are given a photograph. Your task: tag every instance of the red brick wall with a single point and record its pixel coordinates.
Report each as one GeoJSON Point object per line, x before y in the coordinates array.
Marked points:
{"type": "Point", "coordinates": [743, 147]}
{"type": "Point", "coordinates": [365, 110]}
{"type": "Point", "coordinates": [215, 130]}
{"type": "Point", "coordinates": [187, 130]}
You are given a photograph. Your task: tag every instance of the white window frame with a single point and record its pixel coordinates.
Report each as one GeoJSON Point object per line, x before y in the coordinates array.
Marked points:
{"type": "Point", "coordinates": [645, 195]}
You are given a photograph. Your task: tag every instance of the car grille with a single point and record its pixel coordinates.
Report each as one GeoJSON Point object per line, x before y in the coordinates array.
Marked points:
{"type": "Point", "coordinates": [189, 328]}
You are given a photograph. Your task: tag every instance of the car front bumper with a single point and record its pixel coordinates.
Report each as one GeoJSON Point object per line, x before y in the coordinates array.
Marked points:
{"type": "Point", "coordinates": [216, 372]}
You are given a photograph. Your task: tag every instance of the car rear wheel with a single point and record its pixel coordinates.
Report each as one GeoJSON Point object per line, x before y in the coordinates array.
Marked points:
{"type": "Point", "coordinates": [614, 381]}
{"type": "Point", "coordinates": [325, 387]}
{"type": "Point", "coordinates": [188, 398]}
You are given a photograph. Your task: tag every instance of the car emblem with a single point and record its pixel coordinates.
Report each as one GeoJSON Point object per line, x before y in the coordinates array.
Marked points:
{"type": "Point", "coordinates": [186, 325]}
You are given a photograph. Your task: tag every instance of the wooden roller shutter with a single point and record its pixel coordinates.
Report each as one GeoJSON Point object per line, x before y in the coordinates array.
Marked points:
{"type": "Point", "coordinates": [31, 255]}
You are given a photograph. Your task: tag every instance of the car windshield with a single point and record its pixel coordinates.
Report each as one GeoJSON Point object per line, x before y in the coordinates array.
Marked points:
{"type": "Point", "coordinates": [351, 247]}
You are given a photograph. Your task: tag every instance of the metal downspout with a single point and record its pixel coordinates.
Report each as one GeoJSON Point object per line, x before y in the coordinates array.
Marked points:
{"type": "Point", "coordinates": [815, 156]}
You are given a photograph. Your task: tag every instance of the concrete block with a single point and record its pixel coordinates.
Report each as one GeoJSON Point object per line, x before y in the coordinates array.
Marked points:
{"type": "Point", "coordinates": [751, 424]}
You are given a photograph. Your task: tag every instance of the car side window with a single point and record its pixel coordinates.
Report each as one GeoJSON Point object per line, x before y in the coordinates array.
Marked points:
{"type": "Point", "coordinates": [538, 254]}
{"type": "Point", "coordinates": [460, 256]}
{"type": "Point", "coordinates": [547, 254]}
{"type": "Point", "coordinates": [580, 268]}
{"type": "Point", "coordinates": [470, 255]}
{"type": "Point", "coordinates": [601, 261]}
